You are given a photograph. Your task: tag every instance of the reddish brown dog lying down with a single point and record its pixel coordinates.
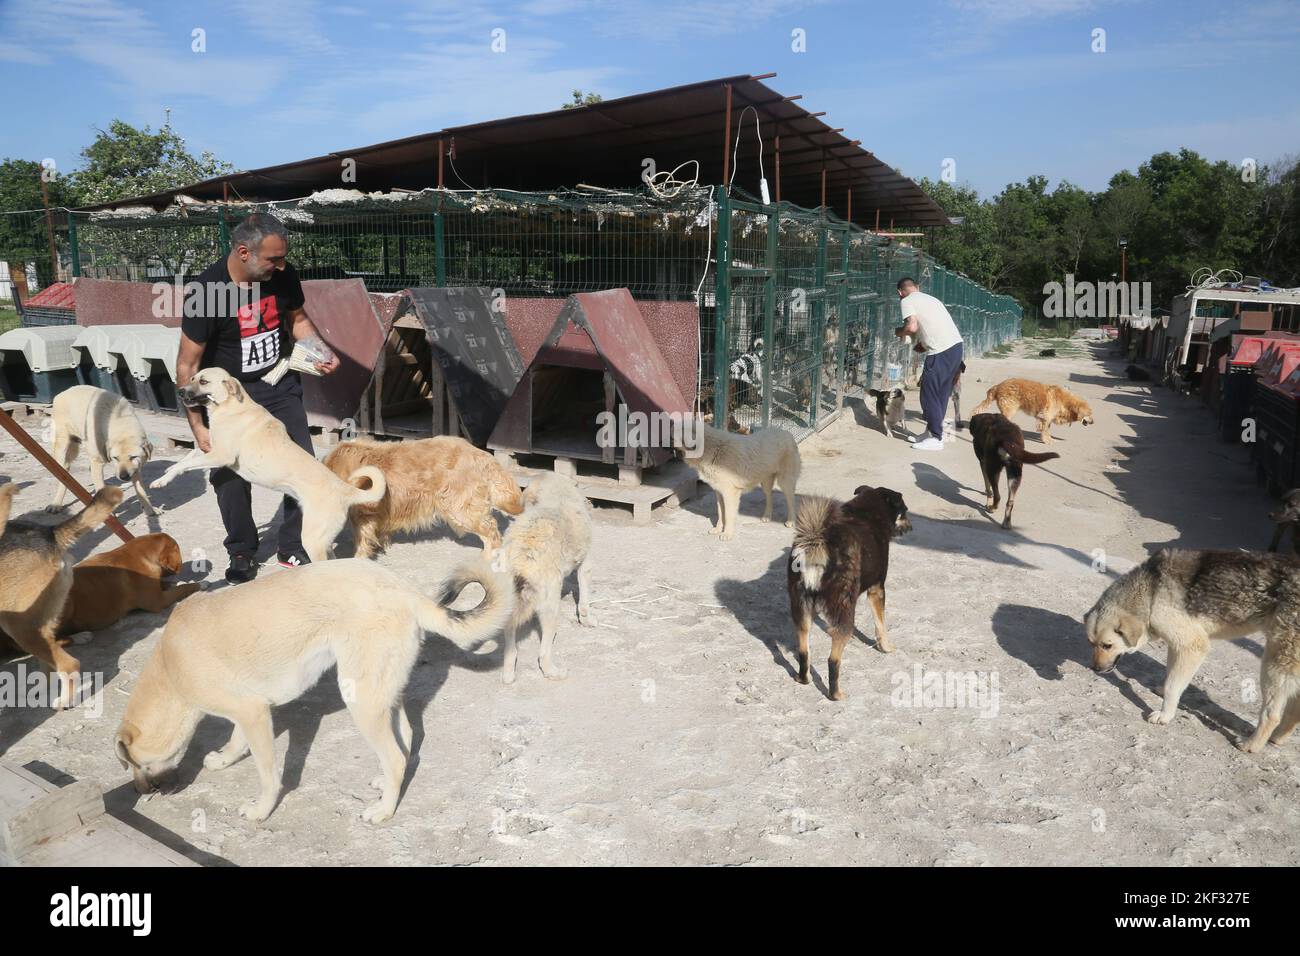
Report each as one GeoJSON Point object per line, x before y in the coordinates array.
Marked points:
{"type": "Point", "coordinates": [107, 587]}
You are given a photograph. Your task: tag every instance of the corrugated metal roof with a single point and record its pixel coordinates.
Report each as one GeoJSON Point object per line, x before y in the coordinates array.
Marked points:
{"type": "Point", "coordinates": [604, 145]}
{"type": "Point", "coordinates": [60, 295]}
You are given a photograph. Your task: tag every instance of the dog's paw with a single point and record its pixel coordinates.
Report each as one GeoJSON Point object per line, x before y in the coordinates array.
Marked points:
{"type": "Point", "coordinates": [584, 616]}
{"type": "Point", "coordinates": [554, 673]}
{"type": "Point", "coordinates": [216, 760]}
{"type": "Point", "coordinates": [885, 647]}
{"type": "Point", "coordinates": [379, 812]}
{"type": "Point", "coordinates": [255, 812]}
{"type": "Point", "coordinates": [507, 677]}
{"type": "Point", "coordinates": [162, 481]}
{"type": "Point", "coordinates": [803, 678]}
{"type": "Point", "coordinates": [1250, 745]}
{"type": "Point", "coordinates": [55, 509]}
{"type": "Point", "coordinates": [715, 530]}
{"type": "Point", "coordinates": [789, 524]}
{"type": "Point", "coordinates": [726, 536]}
{"type": "Point", "coordinates": [838, 695]}
{"type": "Point", "coordinates": [1158, 717]}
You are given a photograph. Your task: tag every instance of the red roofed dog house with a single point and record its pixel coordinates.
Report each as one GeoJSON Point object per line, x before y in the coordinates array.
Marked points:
{"type": "Point", "coordinates": [599, 356]}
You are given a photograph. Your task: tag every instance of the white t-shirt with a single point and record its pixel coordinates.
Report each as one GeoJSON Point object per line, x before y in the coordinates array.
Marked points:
{"type": "Point", "coordinates": [936, 329]}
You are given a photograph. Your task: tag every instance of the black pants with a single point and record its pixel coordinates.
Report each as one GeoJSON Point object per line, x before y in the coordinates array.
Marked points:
{"type": "Point", "coordinates": [235, 495]}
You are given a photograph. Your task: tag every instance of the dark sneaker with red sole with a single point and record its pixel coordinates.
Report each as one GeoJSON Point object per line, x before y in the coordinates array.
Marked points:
{"type": "Point", "coordinates": [242, 569]}
{"type": "Point", "coordinates": [294, 559]}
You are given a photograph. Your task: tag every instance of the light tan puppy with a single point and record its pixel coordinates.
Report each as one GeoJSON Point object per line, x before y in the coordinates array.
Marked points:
{"type": "Point", "coordinates": [1048, 404]}
{"type": "Point", "coordinates": [248, 439]}
{"type": "Point", "coordinates": [733, 464]}
{"type": "Point", "coordinates": [35, 577]}
{"type": "Point", "coordinates": [106, 424]}
{"type": "Point", "coordinates": [540, 550]}
{"type": "Point", "coordinates": [432, 480]}
{"type": "Point", "coordinates": [236, 653]}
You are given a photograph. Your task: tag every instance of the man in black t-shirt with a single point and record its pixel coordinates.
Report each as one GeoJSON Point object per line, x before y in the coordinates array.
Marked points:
{"type": "Point", "coordinates": [243, 315]}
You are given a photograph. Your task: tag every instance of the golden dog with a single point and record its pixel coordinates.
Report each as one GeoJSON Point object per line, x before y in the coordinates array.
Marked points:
{"type": "Point", "coordinates": [1049, 404]}
{"type": "Point", "coordinates": [436, 479]}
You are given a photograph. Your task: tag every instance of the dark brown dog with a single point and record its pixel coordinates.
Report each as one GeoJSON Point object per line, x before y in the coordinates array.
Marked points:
{"type": "Point", "coordinates": [841, 551]}
{"type": "Point", "coordinates": [1000, 444]}
{"type": "Point", "coordinates": [107, 587]}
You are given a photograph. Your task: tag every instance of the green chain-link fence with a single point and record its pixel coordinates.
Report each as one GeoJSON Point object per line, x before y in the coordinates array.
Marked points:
{"type": "Point", "coordinates": [796, 308]}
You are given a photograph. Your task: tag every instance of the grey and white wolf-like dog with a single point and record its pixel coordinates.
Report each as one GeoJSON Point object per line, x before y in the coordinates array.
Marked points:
{"type": "Point", "coordinates": [1187, 599]}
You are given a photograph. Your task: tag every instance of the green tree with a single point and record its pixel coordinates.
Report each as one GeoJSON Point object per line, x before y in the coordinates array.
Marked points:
{"type": "Point", "coordinates": [24, 233]}
{"type": "Point", "coordinates": [124, 161]}
{"type": "Point", "coordinates": [582, 99]}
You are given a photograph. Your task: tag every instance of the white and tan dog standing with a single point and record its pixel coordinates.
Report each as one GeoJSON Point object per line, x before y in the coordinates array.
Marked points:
{"type": "Point", "coordinates": [106, 424]}
{"type": "Point", "coordinates": [238, 652]}
{"type": "Point", "coordinates": [541, 549]}
{"type": "Point", "coordinates": [733, 464]}
{"type": "Point", "coordinates": [249, 440]}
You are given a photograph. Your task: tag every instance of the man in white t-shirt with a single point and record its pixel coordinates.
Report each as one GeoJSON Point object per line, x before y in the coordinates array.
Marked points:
{"type": "Point", "coordinates": [926, 318]}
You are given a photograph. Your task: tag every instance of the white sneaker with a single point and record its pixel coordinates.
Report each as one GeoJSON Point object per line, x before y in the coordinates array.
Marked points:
{"type": "Point", "coordinates": [929, 443]}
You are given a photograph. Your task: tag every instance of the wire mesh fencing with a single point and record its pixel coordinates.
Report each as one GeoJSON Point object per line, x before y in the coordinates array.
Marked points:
{"type": "Point", "coordinates": [797, 308]}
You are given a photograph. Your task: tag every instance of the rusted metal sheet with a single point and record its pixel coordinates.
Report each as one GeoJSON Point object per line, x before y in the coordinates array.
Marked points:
{"type": "Point", "coordinates": [341, 310]}
{"type": "Point", "coordinates": [600, 330]}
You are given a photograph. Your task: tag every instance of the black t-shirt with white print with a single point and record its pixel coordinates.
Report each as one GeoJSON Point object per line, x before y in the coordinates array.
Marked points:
{"type": "Point", "coordinates": [243, 329]}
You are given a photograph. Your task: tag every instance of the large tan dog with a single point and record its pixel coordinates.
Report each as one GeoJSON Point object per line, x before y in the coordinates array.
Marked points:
{"type": "Point", "coordinates": [432, 480]}
{"type": "Point", "coordinates": [733, 464]}
{"type": "Point", "coordinates": [248, 439]}
{"type": "Point", "coordinates": [107, 426]}
{"type": "Point", "coordinates": [107, 587]}
{"type": "Point", "coordinates": [540, 550]}
{"type": "Point", "coordinates": [1188, 599]}
{"type": "Point", "coordinates": [35, 577]}
{"type": "Point", "coordinates": [236, 653]}
{"type": "Point", "coordinates": [1049, 404]}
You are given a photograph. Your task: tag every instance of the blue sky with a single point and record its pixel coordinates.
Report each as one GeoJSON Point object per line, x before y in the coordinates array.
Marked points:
{"type": "Point", "coordinates": [1006, 88]}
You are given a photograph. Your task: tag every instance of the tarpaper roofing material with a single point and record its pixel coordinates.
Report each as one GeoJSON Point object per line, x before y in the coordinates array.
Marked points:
{"type": "Point", "coordinates": [603, 330]}
{"type": "Point", "coordinates": [343, 313]}
{"type": "Point", "coordinates": [474, 350]}
{"type": "Point", "coordinates": [675, 327]}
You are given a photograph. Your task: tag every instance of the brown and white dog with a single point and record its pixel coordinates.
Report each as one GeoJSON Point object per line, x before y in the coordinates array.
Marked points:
{"type": "Point", "coordinates": [35, 578]}
{"type": "Point", "coordinates": [433, 480]}
{"type": "Point", "coordinates": [841, 551]}
{"type": "Point", "coordinates": [1049, 404]}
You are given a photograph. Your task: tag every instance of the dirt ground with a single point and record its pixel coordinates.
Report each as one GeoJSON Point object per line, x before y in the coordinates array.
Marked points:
{"type": "Point", "coordinates": [680, 735]}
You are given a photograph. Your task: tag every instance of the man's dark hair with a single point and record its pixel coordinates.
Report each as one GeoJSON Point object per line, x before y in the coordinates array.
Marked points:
{"type": "Point", "coordinates": [255, 228]}
{"type": "Point", "coordinates": [905, 280]}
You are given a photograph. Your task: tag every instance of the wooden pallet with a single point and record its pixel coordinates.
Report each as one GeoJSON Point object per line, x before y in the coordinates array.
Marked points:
{"type": "Point", "coordinates": [45, 825]}
{"type": "Point", "coordinates": [20, 411]}
{"type": "Point", "coordinates": [665, 487]}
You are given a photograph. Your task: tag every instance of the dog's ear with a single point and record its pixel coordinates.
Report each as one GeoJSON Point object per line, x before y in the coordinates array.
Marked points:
{"type": "Point", "coordinates": [860, 489]}
{"type": "Point", "coordinates": [1130, 628]}
{"type": "Point", "coordinates": [234, 389]}
{"type": "Point", "coordinates": [124, 737]}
